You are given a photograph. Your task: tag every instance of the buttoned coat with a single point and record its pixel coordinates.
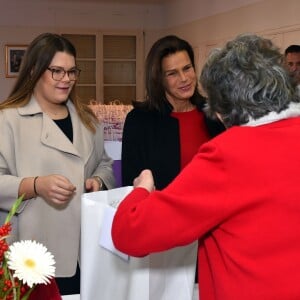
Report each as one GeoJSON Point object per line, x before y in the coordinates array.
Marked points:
{"type": "Point", "coordinates": [31, 144]}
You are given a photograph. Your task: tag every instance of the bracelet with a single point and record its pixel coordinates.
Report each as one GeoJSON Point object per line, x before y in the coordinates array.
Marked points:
{"type": "Point", "coordinates": [34, 185]}
{"type": "Point", "coordinates": [99, 181]}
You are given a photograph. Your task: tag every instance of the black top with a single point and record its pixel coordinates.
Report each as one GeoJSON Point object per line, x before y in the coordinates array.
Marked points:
{"type": "Point", "coordinates": [66, 126]}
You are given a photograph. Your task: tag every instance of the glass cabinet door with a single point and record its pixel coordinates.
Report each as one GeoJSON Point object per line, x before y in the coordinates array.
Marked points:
{"type": "Point", "coordinates": [111, 66]}
{"type": "Point", "coordinates": [86, 61]}
{"type": "Point", "coordinates": [119, 68]}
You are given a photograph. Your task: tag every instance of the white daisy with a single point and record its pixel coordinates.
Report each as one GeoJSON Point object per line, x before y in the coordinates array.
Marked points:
{"type": "Point", "coordinates": [31, 262]}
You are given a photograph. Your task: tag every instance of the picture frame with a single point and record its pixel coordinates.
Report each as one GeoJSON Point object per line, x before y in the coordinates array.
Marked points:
{"type": "Point", "coordinates": [13, 58]}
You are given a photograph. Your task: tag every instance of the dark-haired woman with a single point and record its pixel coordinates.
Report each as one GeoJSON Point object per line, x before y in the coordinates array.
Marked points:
{"type": "Point", "coordinates": [164, 132]}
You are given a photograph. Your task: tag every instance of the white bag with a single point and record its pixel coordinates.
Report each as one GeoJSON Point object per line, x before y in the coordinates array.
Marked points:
{"type": "Point", "coordinates": [167, 275]}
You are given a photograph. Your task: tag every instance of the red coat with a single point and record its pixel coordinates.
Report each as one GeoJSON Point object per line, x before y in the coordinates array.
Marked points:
{"type": "Point", "coordinates": [240, 196]}
{"type": "Point", "coordinates": [46, 292]}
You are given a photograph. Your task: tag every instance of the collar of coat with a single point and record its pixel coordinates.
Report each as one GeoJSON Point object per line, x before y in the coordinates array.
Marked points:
{"type": "Point", "coordinates": [33, 107]}
{"type": "Point", "coordinates": [292, 111]}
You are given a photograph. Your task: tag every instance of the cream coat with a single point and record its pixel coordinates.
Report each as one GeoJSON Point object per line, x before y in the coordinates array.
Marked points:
{"type": "Point", "coordinates": [31, 144]}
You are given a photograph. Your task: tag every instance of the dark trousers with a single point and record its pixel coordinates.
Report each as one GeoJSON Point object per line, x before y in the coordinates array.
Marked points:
{"type": "Point", "coordinates": [69, 285]}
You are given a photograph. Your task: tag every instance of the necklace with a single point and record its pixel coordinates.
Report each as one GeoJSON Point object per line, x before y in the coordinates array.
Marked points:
{"type": "Point", "coordinates": [58, 114]}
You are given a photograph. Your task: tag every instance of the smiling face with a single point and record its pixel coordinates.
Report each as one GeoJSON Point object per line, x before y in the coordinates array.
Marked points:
{"type": "Point", "coordinates": [179, 78]}
{"type": "Point", "coordinates": [49, 92]}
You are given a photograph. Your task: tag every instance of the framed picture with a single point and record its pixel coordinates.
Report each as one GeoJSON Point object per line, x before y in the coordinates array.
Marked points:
{"type": "Point", "coordinates": [13, 59]}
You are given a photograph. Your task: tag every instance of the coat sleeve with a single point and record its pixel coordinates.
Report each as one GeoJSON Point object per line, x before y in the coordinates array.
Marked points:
{"type": "Point", "coordinates": [105, 172]}
{"type": "Point", "coordinates": [193, 204]}
{"type": "Point", "coordinates": [9, 183]}
{"type": "Point", "coordinates": [104, 167]}
{"type": "Point", "coordinates": [132, 152]}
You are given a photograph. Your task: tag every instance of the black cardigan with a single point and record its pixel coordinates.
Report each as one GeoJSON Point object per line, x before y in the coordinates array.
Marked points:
{"type": "Point", "coordinates": [151, 141]}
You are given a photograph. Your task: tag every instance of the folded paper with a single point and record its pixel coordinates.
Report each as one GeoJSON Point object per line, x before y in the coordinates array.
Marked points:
{"type": "Point", "coordinates": [105, 233]}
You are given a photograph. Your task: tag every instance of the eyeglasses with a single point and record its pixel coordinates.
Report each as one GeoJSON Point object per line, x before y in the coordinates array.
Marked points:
{"type": "Point", "coordinates": [59, 73]}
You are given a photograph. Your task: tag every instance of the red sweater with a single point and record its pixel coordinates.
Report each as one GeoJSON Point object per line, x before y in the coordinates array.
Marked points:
{"type": "Point", "coordinates": [244, 209]}
{"type": "Point", "coordinates": [191, 133]}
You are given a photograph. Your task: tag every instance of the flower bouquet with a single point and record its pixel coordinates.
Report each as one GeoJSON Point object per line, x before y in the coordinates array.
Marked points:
{"type": "Point", "coordinates": [23, 265]}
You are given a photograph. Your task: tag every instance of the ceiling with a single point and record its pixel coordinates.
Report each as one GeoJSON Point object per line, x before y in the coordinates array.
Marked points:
{"type": "Point", "coordinates": [128, 1]}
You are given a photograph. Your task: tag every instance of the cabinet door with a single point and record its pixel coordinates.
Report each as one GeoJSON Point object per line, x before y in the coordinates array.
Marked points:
{"type": "Point", "coordinates": [85, 45]}
{"type": "Point", "coordinates": [119, 68]}
{"type": "Point", "coordinates": [111, 66]}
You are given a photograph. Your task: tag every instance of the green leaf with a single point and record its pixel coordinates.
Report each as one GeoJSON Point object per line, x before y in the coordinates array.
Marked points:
{"type": "Point", "coordinates": [14, 209]}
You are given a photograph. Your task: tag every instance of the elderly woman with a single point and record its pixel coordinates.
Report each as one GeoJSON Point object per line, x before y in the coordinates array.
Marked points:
{"type": "Point", "coordinates": [244, 209]}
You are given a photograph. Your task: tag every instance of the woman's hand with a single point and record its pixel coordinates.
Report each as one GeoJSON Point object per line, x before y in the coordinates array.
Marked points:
{"type": "Point", "coordinates": [144, 180]}
{"type": "Point", "coordinates": [93, 184]}
{"type": "Point", "coordinates": [55, 188]}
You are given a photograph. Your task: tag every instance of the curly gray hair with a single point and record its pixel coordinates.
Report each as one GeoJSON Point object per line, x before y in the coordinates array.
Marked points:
{"type": "Point", "coordinates": [246, 79]}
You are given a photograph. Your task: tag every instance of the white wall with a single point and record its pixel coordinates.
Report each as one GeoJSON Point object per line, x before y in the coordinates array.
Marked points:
{"type": "Point", "coordinates": [13, 36]}
{"type": "Point", "coordinates": [22, 20]}
{"type": "Point", "coordinates": [276, 19]}
{"type": "Point", "coordinates": [180, 12]}
{"type": "Point", "coordinates": [84, 14]}
{"type": "Point", "coordinates": [204, 23]}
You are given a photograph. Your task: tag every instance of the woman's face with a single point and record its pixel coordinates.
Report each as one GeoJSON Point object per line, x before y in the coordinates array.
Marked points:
{"type": "Point", "coordinates": [48, 91]}
{"type": "Point", "coordinates": [179, 77]}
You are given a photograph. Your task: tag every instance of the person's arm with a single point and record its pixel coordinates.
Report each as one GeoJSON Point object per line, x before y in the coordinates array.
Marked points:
{"type": "Point", "coordinates": [102, 177]}
{"type": "Point", "coordinates": [9, 184]}
{"type": "Point", "coordinates": [13, 180]}
{"type": "Point", "coordinates": [104, 172]}
{"type": "Point", "coordinates": [132, 147]}
{"type": "Point", "coordinates": [27, 188]}
{"type": "Point", "coordinates": [193, 204]}
{"type": "Point", "coordinates": [52, 188]}
{"type": "Point", "coordinates": [94, 184]}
